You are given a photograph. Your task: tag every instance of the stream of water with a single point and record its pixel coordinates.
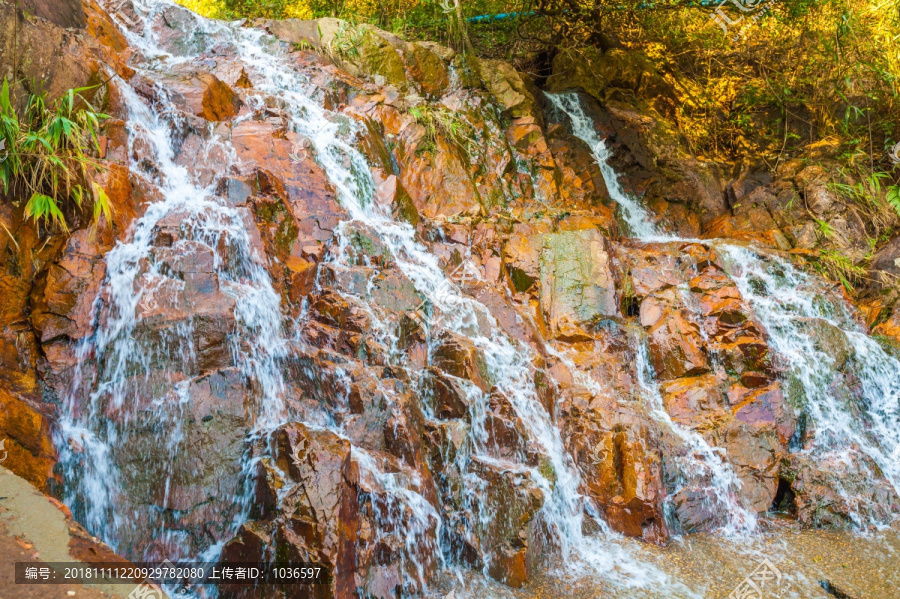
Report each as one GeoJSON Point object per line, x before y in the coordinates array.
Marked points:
{"type": "Point", "coordinates": [116, 361]}
{"type": "Point", "coordinates": [844, 384]}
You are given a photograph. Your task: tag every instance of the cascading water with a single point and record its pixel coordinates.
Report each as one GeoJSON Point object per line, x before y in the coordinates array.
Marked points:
{"type": "Point", "coordinates": [98, 482]}
{"type": "Point", "coordinates": [702, 466]}
{"type": "Point", "coordinates": [123, 371]}
{"type": "Point", "coordinates": [509, 365]}
{"type": "Point", "coordinates": [821, 344]}
{"type": "Point", "coordinates": [794, 309]}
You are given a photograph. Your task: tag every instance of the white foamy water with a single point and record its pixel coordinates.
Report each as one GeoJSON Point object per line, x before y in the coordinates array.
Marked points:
{"type": "Point", "coordinates": [790, 303]}
{"type": "Point", "coordinates": [842, 379]}
{"type": "Point", "coordinates": [703, 466]}
{"type": "Point", "coordinates": [89, 442]}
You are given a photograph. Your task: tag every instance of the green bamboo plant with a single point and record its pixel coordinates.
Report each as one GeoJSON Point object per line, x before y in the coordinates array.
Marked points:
{"type": "Point", "coordinates": [47, 155]}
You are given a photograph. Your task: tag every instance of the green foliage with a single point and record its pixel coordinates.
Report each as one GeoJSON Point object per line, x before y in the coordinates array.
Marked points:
{"type": "Point", "coordinates": [48, 155]}
{"type": "Point", "coordinates": [444, 122]}
{"type": "Point", "coordinates": [878, 201]}
{"type": "Point", "coordinates": [346, 41]}
{"type": "Point", "coordinates": [835, 266]}
{"type": "Point", "coordinates": [892, 197]}
{"type": "Point", "coordinates": [825, 230]}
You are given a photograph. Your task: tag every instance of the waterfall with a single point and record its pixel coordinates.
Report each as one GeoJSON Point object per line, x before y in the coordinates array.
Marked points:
{"type": "Point", "coordinates": [509, 364]}
{"type": "Point", "coordinates": [820, 342]}
{"type": "Point", "coordinates": [796, 313]}
{"type": "Point", "coordinates": [702, 465]}
{"type": "Point", "coordinates": [129, 420]}
{"type": "Point", "coordinates": [101, 415]}
{"type": "Point", "coordinates": [116, 360]}
{"type": "Point", "coordinates": [637, 221]}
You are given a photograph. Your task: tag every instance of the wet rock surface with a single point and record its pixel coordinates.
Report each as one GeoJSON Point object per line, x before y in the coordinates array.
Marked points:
{"type": "Point", "coordinates": [267, 337]}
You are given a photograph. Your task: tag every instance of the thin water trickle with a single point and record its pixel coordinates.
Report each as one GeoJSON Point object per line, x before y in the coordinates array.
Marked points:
{"type": "Point", "coordinates": [703, 465]}
{"type": "Point", "coordinates": [637, 220]}
{"type": "Point", "coordinates": [798, 316]}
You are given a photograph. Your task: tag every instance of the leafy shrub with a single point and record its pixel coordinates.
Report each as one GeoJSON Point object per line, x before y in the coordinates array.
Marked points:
{"type": "Point", "coordinates": [48, 155]}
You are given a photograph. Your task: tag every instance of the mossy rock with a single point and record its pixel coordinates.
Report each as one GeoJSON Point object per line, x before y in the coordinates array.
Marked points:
{"type": "Point", "coordinates": [378, 57]}
{"type": "Point", "coordinates": [404, 208]}
{"type": "Point", "coordinates": [601, 74]}
{"type": "Point", "coordinates": [427, 69]}
{"type": "Point", "coordinates": [509, 89]}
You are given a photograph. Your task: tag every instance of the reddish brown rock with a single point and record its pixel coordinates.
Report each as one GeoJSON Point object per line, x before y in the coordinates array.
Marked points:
{"type": "Point", "coordinates": [28, 448]}
{"type": "Point", "coordinates": [340, 312]}
{"type": "Point", "coordinates": [426, 68]}
{"type": "Point", "coordinates": [318, 519]}
{"type": "Point", "coordinates": [203, 94]}
{"type": "Point", "coordinates": [617, 452]}
{"type": "Point", "coordinates": [754, 451]}
{"type": "Point", "coordinates": [458, 356]}
{"type": "Point", "coordinates": [65, 293]}
{"type": "Point", "coordinates": [438, 182]}
{"type": "Point", "coordinates": [864, 493]}
{"type": "Point", "coordinates": [521, 257]}
{"type": "Point", "coordinates": [676, 347]}
{"type": "Point", "coordinates": [698, 509]}
{"type": "Point", "coordinates": [503, 539]}
{"type": "Point", "coordinates": [447, 394]}
{"type": "Point", "coordinates": [695, 402]}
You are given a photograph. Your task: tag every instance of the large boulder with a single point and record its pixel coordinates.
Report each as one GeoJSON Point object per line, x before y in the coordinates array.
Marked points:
{"type": "Point", "coordinates": [578, 287]}
{"type": "Point", "coordinates": [316, 517]}
{"type": "Point", "coordinates": [677, 347]}
{"type": "Point", "coordinates": [509, 88]}
{"type": "Point", "coordinates": [203, 95]}
{"type": "Point", "coordinates": [25, 428]}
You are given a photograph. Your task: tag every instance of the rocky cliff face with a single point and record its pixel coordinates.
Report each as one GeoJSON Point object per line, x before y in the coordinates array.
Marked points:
{"type": "Point", "coordinates": [399, 442]}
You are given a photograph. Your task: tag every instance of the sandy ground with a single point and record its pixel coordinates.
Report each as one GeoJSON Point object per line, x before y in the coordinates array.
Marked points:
{"type": "Point", "coordinates": [34, 530]}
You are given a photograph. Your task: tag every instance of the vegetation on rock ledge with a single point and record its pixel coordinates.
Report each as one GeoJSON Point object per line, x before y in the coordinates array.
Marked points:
{"type": "Point", "coordinates": [47, 155]}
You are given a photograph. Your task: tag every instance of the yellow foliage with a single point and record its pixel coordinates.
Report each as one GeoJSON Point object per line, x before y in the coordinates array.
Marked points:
{"type": "Point", "coordinates": [298, 10]}
{"type": "Point", "coordinates": [368, 10]}
{"type": "Point", "coordinates": [208, 8]}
